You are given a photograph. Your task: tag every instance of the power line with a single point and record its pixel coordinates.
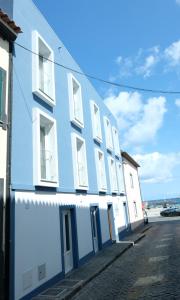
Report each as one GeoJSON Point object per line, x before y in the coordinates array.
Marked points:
{"type": "Point", "coordinates": [125, 86]}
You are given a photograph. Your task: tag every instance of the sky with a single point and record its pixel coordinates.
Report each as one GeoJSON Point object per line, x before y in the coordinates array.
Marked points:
{"type": "Point", "coordinates": [135, 43]}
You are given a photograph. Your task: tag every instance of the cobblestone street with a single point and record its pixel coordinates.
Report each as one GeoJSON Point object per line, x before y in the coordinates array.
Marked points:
{"type": "Point", "coordinates": [149, 270]}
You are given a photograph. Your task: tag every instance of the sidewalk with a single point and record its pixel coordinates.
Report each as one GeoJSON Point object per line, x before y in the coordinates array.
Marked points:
{"type": "Point", "coordinates": [78, 278]}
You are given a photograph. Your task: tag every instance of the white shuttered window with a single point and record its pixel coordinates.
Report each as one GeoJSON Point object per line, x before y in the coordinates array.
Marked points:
{"type": "Point", "coordinates": [79, 162]}
{"type": "Point", "coordinates": [100, 170]}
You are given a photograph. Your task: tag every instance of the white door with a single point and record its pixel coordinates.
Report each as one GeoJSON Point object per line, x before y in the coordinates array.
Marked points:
{"type": "Point", "coordinates": [94, 228]}
{"type": "Point", "coordinates": [67, 235]}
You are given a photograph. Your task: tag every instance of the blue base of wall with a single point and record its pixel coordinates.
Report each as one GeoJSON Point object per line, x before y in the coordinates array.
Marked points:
{"type": "Point", "coordinates": [124, 232]}
{"type": "Point", "coordinates": [107, 243]}
{"type": "Point", "coordinates": [85, 258]}
{"type": "Point", "coordinates": [44, 286]}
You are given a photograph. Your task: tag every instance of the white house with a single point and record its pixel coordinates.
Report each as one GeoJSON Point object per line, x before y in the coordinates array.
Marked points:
{"type": "Point", "coordinates": [132, 190]}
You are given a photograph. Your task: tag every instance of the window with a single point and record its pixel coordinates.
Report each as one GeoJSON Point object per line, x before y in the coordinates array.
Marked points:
{"type": "Point", "coordinates": [43, 70]}
{"type": "Point", "coordinates": [100, 170]}
{"type": "Point", "coordinates": [75, 101]}
{"type": "Point", "coordinates": [112, 175]}
{"type": "Point", "coordinates": [108, 134]}
{"type": "Point", "coordinates": [120, 177]}
{"type": "Point", "coordinates": [135, 209]}
{"type": "Point", "coordinates": [96, 122]}
{"type": "Point", "coordinates": [45, 150]}
{"type": "Point", "coordinates": [79, 162]}
{"type": "Point", "coordinates": [131, 181]}
{"type": "Point", "coordinates": [116, 141]}
{"type": "Point", "coordinates": [2, 96]}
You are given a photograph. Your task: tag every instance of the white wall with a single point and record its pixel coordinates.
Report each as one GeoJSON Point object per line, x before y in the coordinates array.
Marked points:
{"type": "Point", "coordinates": [119, 217]}
{"type": "Point", "coordinates": [4, 63]}
{"type": "Point", "coordinates": [133, 193]}
{"type": "Point", "coordinates": [37, 232]}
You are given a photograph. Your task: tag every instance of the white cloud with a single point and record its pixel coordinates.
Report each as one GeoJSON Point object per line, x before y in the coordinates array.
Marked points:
{"type": "Point", "coordinates": [177, 102]}
{"type": "Point", "coordinates": [140, 64]}
{"type": "Point", "coordinates": [146, 128]}
{"type": "Point", "coordinates": [125, 104]}
{"type": "Point", "coordinates": [118, 60]}
{"type": "Point", "coordinates": [178, 2]}
{"type": "Point", "coordinates": [172, 54]}
{"type": "Point", "coordinates": [138, 122]}
{"type": "Point", "coordinates": [157, 167]}
{"type": "Point", "coordinates": [146, 68]}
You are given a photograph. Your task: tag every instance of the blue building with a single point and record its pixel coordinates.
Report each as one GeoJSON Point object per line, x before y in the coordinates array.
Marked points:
{"type": "Point", "coordinates": [67, 191]}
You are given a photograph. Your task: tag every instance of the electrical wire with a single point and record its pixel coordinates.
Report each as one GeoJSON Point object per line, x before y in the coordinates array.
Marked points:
{"type": "Point", "coordinates": [125, 86]}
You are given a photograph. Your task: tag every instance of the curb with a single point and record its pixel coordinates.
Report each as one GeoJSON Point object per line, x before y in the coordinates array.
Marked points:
{"type": "Point", "coordinates": [83, 283]}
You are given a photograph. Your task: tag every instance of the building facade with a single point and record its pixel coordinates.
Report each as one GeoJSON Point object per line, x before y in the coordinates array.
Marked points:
{"type": "Point", "coordinates": [8, 33]}
{"type": "Point", "coordinates": [132, 190]}
{"type": "Point", "coordinates": [68, 198]}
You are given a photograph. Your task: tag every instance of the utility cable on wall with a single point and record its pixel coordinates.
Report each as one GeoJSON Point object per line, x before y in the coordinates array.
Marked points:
{"type": "Point", "coordinates": [125, 86]}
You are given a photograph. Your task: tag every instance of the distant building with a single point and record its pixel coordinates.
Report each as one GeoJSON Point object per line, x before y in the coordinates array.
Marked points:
{"type": "Point", "coordinates": [132, 190]}
{"type": "Point", "coordinates": [8, 33]}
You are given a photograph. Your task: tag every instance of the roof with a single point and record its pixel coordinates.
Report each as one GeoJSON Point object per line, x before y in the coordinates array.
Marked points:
{"type": "Point", "coordinates": [8, 28]}
{"type": "Point", "coordinates": [129, 158]}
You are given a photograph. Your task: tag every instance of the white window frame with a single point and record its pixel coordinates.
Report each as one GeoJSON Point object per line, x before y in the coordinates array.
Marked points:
{"type": "Point", "coordinates": [116, 141]}
{"type": "Point", "coordinates": [96, 122]}
{"type": "Point", "coordinates": [77, 184]}
{"type": "Point", "coordinates": [37, 176]}
{"type": "Point", "coordinates": [78, 121]}
{"type": "Point", "coordinates": [113, 175]}
{"type": "Point", "coordinates": [108, 134]}
{"type": "Point", "coordinates": [100, 171]}
{"type": "Point", "coordinates": [50, 97]}
{"type": "Point", "coordinates": [131, 180]}
{"type": "Point", "coordinates": [119, 171]}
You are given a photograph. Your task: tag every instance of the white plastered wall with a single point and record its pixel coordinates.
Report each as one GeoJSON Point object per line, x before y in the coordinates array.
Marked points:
{"type": "Point", "coordinates": [37, 233]}
{"type": "Point", "coordinates": [133, 193]}
{"type": "Point", "coordinates": [4, 64]}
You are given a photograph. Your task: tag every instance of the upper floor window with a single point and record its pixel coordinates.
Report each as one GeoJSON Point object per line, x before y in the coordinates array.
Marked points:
{"type": "Point", "coordinates": [2, 96]}
{"type": "Point", "coordinates": [75, 101]}
{"type": "Point", "coordinates": [43, 70]}
{"type": "Point", "coordinates": [100, 170]}
{"type": "Point", "coordinates": [79, 162]}
{"type": "Point", "coordinates": [116, 141]}
{"type": "Point", "coordinates": [120, 177]}
{"type": "Point", "coordinates": [108, 134]}
{"type": "Point", "coordinates": [131, 181]}
{"type": "Point", "coordinates": [113, 175]}
{"type": "Point", "coordinates": [45, 149]}
{"type": "Point", "coordinates": [96, 122]}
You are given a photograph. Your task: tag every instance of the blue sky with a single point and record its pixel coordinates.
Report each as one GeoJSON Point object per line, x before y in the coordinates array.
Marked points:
{"type": "Point", "coordinates": [133, 42]}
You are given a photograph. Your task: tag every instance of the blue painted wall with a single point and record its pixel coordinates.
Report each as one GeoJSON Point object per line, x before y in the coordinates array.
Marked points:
{"type": "Point", "coordinates": [29, 18]}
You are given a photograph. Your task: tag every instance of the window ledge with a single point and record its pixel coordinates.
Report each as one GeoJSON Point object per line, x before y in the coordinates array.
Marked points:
{"type": "Point", "coordinates": [98, 139]}
{"type": "Point", "coordinates": [44, 97]}
{"type": "Point", "coordinates": [77, 123]}
{"type": "Point", "coordinates": [47, 183]}
{"type": "Point", "coordinates": [81, 188]}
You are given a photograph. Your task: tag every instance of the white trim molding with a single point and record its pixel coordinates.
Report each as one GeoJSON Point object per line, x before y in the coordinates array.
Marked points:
{"type": "Point", "coordinates": [96, 122]}
{"type": "Point", "coordinates": [79, 162]}
{"type": "Point", "coordinates": [43, 78]}
{"type": "Point", "coordinates": [75, 101]}
{"type": "Point", "coordinates": [45, 154]}
{"type": "Point", "coordinates": [100, 170]}
{"type": "Point", "coordinates": [108, 134]}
